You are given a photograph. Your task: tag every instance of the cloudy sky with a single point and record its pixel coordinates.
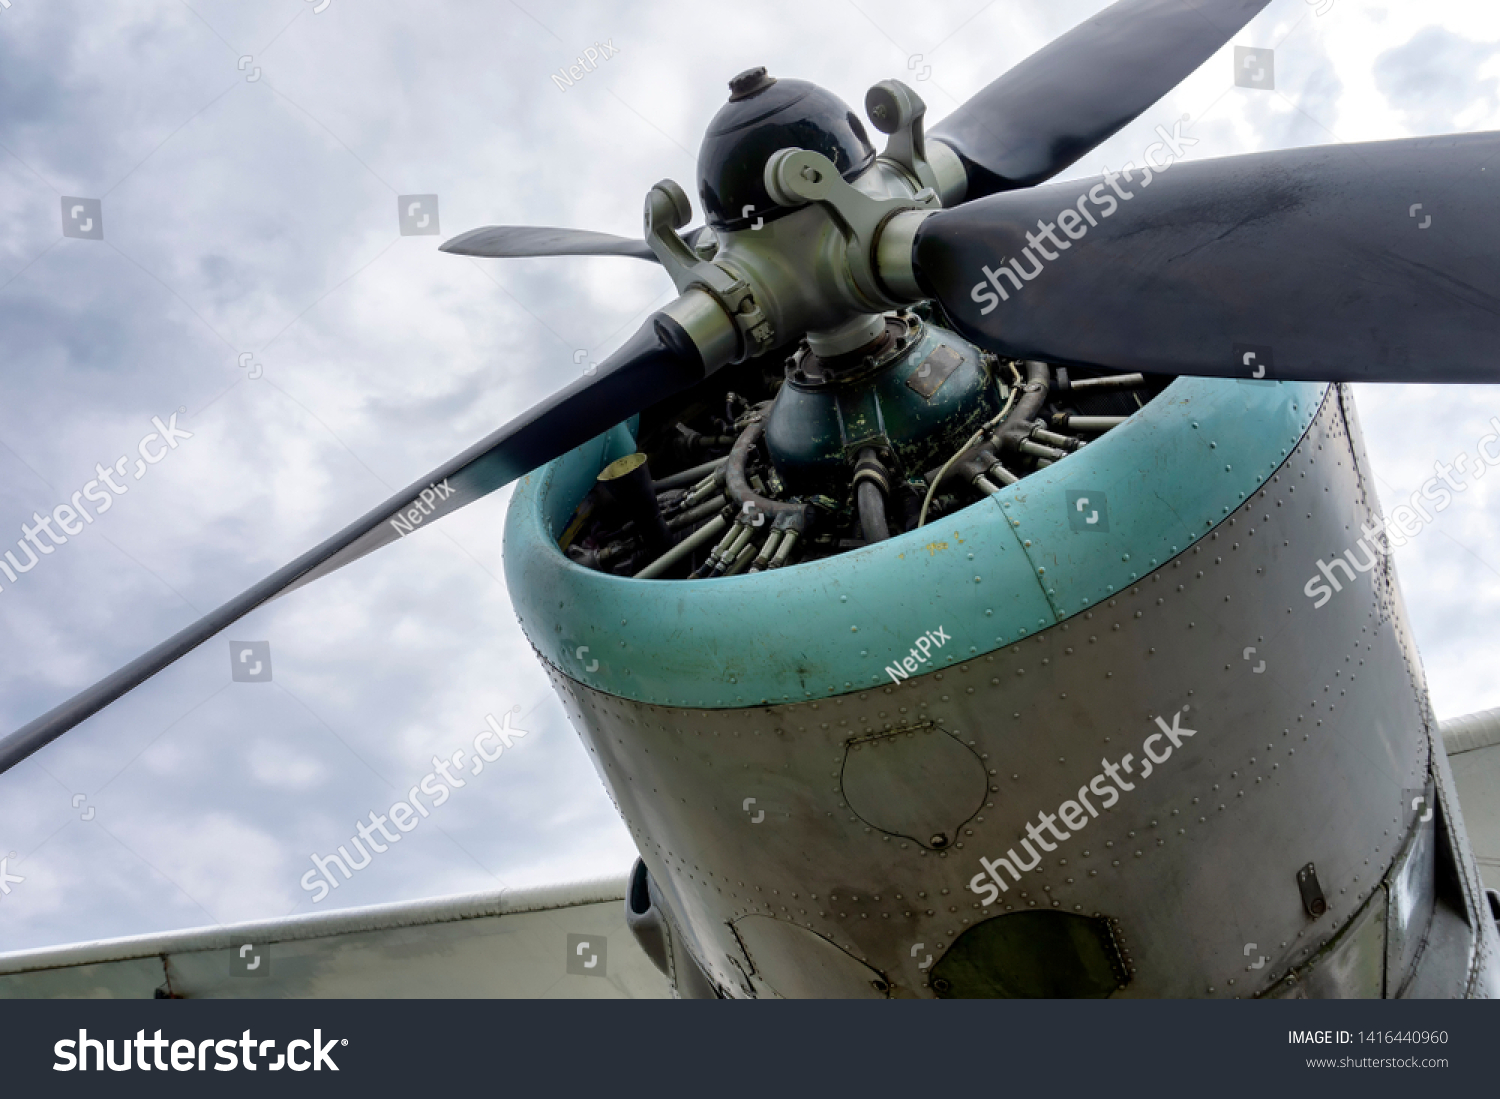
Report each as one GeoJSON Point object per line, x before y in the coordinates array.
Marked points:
{"type": "Point", "coordinates": [249, 157]}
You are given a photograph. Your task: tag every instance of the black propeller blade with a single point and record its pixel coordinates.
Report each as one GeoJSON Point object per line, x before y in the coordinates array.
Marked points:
{"type": "Point", "coordinates": [1376, 263]}
{"type": "Point", "coordinates": [1083, 88]}
{"type": "Point", "coordinates": [656, 362]}
{"type": "Point", "coordinates": [518, 241]}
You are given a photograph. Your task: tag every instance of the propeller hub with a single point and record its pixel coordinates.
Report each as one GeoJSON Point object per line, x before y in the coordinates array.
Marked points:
{"type": "Point", "coordinates": [764, 115]}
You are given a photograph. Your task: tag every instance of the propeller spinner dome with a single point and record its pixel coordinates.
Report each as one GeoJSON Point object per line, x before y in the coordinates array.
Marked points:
{"type": "Point", "coordinates": [764, 115]}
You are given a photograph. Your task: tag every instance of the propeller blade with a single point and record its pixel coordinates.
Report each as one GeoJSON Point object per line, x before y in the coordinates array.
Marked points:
{"type": "Point", "coordinates": [1362, 263]}
{"type": "Point", "coordinates": [656, 362]}
{"type": "Point", "coordinates": [514, 241]}
{"type": "Point", "coordinates": [1084, 87]}
{"type": "Point", "coordinates": [519, 241]}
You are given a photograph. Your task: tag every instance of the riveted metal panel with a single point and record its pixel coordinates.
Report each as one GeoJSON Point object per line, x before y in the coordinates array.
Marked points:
{"type": "Point", "coordinates": [511, 944]}
{"type": "Point", "coordinates": [792, 962]}
{"type": "Point", "coordinates": [1477, 774]}
{"type": "Point", "coordinates": [918, 783]}
{"type": "Point", "coordinates": [1483, 975]}
{"type": "Point", "coordinates": [1353, 966]}
{"type": "Point", "coordinates": [1411, 892]}
{"type": "Point", "coordinates": [828, 627]}
{"type": "Point", "coordinates": [1308, 724]}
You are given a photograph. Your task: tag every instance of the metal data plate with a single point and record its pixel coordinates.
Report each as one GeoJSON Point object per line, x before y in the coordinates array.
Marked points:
{"type": "Point", "coordinates": [934, 370]}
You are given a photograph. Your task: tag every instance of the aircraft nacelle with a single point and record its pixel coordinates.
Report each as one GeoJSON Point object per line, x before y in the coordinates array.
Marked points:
{"type": "Point", "coordinates": [1016, 752]}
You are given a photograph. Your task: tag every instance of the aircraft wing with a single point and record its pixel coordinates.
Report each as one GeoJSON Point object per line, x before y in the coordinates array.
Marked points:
{"type": "Point", "coordinates": [565, 941]}
{"type": "Point", "coordinates": [1473, 744]}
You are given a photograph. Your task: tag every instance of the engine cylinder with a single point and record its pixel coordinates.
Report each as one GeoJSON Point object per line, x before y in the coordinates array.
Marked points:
{"type": "Point", "coordinates": [914, 396]}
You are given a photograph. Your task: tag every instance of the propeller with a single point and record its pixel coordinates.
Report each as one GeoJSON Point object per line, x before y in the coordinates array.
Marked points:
{"type": "Point", "coordinates": [659, 360]}
{"type": "Point", "coordinates": [1078, 91]}
{"type": "Point", "coordinates": [1376, 262]}
{"type": "Point", "coordinates": [515, 241]}
{"type": "Point", "coordinates": [1358, 262]}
